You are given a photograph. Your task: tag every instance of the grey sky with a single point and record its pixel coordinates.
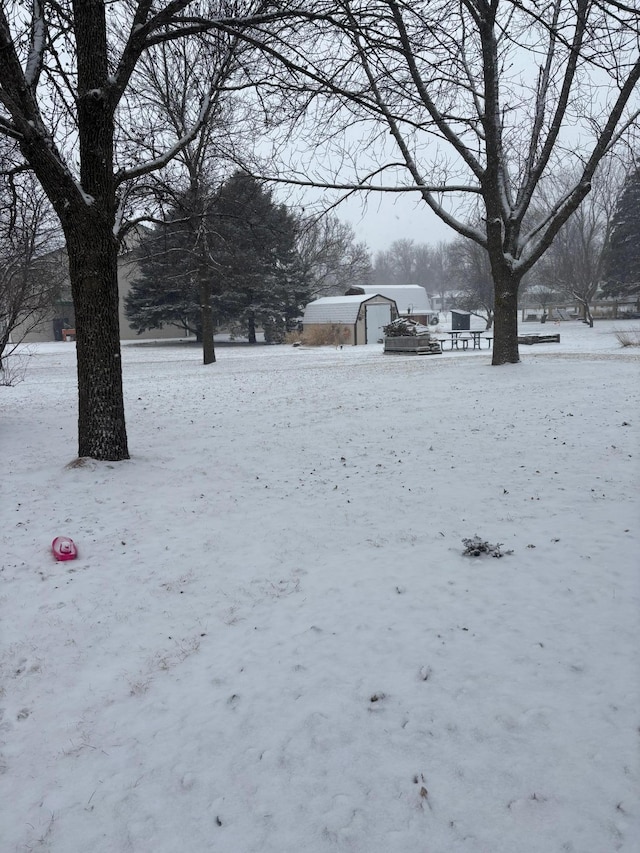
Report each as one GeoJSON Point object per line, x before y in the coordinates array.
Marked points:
{"type": "Point", "coordinates": [380, 219]}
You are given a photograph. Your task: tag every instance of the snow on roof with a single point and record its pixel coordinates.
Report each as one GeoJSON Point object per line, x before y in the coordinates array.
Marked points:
{"type": "Point", "coordinates": [410, 298]}
{"type": "Point", "coordinates": [337, 309]}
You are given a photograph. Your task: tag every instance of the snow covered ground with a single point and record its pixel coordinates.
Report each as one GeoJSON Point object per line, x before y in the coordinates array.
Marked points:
{"type": "Point", "coordinates": [271, 641]}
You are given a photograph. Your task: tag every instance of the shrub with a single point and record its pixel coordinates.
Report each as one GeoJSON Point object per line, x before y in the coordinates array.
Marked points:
{"type": "Point", "coordinates": [13, 366]}
{"type": "Point", "coordinates": [628, 338]}
{"type": "Point", "coordinates": [476, 546]}
{"type": "Point", "coordinates": [330, 334]}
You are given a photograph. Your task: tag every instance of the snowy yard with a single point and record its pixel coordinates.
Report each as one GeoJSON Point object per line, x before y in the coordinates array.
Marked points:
{"type": "Point", "coordinates": [271, 641]}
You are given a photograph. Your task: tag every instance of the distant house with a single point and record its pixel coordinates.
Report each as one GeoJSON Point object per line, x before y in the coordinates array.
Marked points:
{"type": "Point", "coordinates": [51, 319]}
{"type": "Point", "coordinates": [128, 271]}
{"type": "Point", "coordinates": [411, 299]}
{"type": "Point", "coordinates": [359, 318]}
{"type": "Point", "coordinates": [60, 317]}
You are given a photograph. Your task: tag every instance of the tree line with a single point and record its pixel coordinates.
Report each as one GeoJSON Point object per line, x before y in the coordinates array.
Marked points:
{"type": "Point", "coordinates": [596, 254]}
{"type": "Point", "coordinates": [232, 256]}
{"type": "Point", "coordinates": [471, 106]}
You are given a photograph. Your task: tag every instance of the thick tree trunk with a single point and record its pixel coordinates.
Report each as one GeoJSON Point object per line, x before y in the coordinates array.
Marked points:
{"type": "Point", "coordinates": [93, 270]}
{"type": "Point", "coordinates": [93, 249]}
{"type": "Point", "coordinates": [4, 340]}
{"type": "Point", "coordinates": [206, 319]}
{"type": "Point", "coordinates": [251, 324]}
{"type": "Point", "coordinates": [505, 333]}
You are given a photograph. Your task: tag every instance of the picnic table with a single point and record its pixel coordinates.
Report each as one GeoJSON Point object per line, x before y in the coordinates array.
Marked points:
{"type": "Point", "coordinates": [463, 337]}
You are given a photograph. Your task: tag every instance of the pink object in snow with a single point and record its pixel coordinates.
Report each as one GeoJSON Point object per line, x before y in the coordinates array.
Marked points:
{"type": "Point", "coordinates": [64, 548]}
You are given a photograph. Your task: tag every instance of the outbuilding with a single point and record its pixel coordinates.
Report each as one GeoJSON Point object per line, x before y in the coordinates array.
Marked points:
{"type": "Point", "coordinates": [358, 319]}
{"type": "Point", "coordinates": [411, 300]}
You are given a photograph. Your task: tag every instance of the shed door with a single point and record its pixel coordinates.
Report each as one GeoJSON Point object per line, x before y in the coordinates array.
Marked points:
{"type": "Point", "coordinates": [377, 317]}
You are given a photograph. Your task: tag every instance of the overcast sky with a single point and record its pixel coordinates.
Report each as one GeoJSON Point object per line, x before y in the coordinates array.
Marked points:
{"type": "Point", "coordinates": [380, 219]}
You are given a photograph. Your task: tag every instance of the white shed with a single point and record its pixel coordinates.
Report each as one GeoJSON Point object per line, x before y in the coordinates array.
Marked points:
{"type": "Point", "coordinates": [357, 319]}
{"type": "Point", "coordinates": [412, 299]}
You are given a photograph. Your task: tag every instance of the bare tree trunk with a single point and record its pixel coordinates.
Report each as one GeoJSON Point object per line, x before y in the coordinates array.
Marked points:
{"type": "Point", "coordinates": [93, 251]}
{"type": "Point", "coordinates": [206, 319]}
{"type": "Point", "coordinates": [252, 329]}
{"type": "Point", "coordinates": [93, 270]}
{"type": "Point", "coordinates": [505, 340]}
{"type": "Point", "coordinates": [588, 317]}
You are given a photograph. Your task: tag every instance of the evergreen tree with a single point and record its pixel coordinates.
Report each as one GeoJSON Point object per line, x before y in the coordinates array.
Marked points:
{"type": "Point", "coordinates": [244, 245]}
{"type": "Point", "coordinates": [258, 279]}
{"type": "Point", "coordinates": [623, 257]}
{"type": "Point", "coordinates": [166, 290]}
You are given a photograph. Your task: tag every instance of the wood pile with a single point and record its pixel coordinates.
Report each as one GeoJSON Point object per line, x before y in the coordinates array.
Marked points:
{"type": "Point", "coordinates": [539, 339]}
{"type": "Point", "coordinates": [409, 336]}
{"type": "Point", "coordinates": [404, 327]}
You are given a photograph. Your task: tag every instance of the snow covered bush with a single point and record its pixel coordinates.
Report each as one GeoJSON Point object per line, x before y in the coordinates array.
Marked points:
{"type": "Point", "coordinates": [476, 546]}
{"type": "Point", "coordinates": [628, 338]}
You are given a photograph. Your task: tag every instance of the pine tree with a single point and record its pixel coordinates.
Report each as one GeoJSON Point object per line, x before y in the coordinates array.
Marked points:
{"type": "Point", "coordinates": [244, 244]}
{"type": "Point", "coordinates": [165, 292]}
{"type": "Point", "coordinates": [623, 257]}
{"type": "Point", "coordinates": [258, 280]}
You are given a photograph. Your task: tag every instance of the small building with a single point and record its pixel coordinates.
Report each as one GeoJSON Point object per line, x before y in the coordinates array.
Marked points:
{"type": "Point", "coordinates": [412, 299]}
{"type": "Point", "coordinates": [460, 320]}
{"type": "Point", "coordinates": [358, 319]}
{"type": "Point", "coordinates": [59, 318]}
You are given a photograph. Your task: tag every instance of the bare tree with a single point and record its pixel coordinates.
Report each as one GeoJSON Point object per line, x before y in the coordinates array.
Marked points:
{"type": "Point", "coordinates": [69, 98]}
{"type": "Point", "coordinates": [330, 258]}
{"type": "Point", "coordinates": [575, 262]}
{"type": "Point", "coordinates": [383, 267]}
{"type": "Point", "coordinates": [545, 296]}
{"type": "Point", "coordinates": [442, 277]}
{"type": "Point", "coordinates": [31, 271]}
{"type": "Point", "coordinates": [469, 266]}
{"type": "Point", "coordinates": [405, 262]}
{"type": "Point", "coordinates": [175, 79]}
{"type": "Point", "coordinates": [481, 99]}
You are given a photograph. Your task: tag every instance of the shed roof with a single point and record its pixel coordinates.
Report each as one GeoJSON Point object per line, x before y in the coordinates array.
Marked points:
{"type": "Point", "coordinates": [338, 309]}
{"type": "Point", "coordinates": [410, 298]}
